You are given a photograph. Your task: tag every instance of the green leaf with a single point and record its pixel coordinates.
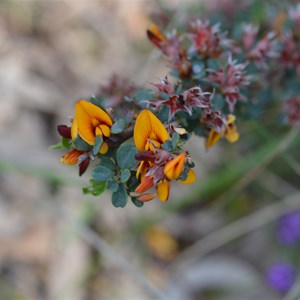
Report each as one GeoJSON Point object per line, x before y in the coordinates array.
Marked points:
{"type": "Point", "coordinates": [175, 139]}
{"type": "Point", "coordinates": [63, 144]}
{"type": "Point", "coordinates": [137, 203]}
{"type": "Point", "coordinates": [81, 145]}
{"type": "Point", "coordinates": [102, 173]}
{"type": "Point", "coordinates": [125, 175]}
{"type": "Point", "coordinates": [112, 185]}
{"type": "Point", "coordinates": [184, 173]}
{"type": "Point", "coordinates": [126, 156]}
{"type": "Point", "coordinates": [97, 100]}
{"type": "Point", "coordinates": [96, 188]}
{"type": "Point", "coordinates": [164, 113]}
{"type": "Point", "coordinates": [85, 191]}
{"type": "Point", "coordinates": [118, 126]}
{"type": "Point", "coordinates": [107, 163]}
{"type": "Point", "coordinates": [168, 146]}
{"type": "Point", "coordinates": [143, 94]}
{"type": "Point", "coordinates": [97, 144]}
{"type": "Point", "coordinates": [132, 183]}
{"type": "Point", "coordinates": [119, 198]}
{"type": "Point", "coordinates": [56, 146]}
{"type": "Point", "coordinates": [66, 142]}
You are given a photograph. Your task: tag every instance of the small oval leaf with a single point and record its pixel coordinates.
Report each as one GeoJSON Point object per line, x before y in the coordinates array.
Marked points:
{"type": "Point", "coordinates": [97, 144]}
{"type": "Point", "coordinates": [125, 175]}
{"type": "Point", "coordinates": [112, 185]}
{"type": "Point", "coordinates": [168, 146]}
{"type": "Point", "coordinates": [119, 198]}
{"type": "Point", "coordinates": [118, 126]}
{"type": "Point", "coordinates": [137, 203]}
{"type": "Point", "coordinates": [81, 145]}
{"type": "Point", "coordinates": [107, 163]}
{"type": "Point", "coordinates": [126, 156]}
{"type": "Point", "coordinates": [102, 173]}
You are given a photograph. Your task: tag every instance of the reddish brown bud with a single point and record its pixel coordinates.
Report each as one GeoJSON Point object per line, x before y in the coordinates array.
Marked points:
{"type": "Point", "coordinates": [64, 131]}
{"type": "Point", "coordinates": [84, 165]}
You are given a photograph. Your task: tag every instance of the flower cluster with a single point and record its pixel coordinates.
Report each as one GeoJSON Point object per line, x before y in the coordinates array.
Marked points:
{"type": "Point", "coordinates": [229, 81]}
{"type": "Point", "coordinates": [207, 41]}
{"type": "Point", "coordinates": [136, 137]}
{"type": "Point", "coordinates": [158, 167]}
{"type": "Point", "coordinates": [260, 50]}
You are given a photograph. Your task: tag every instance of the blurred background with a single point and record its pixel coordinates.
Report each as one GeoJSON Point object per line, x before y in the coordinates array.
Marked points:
{"type": "Point", "coordinates": [56, 243]}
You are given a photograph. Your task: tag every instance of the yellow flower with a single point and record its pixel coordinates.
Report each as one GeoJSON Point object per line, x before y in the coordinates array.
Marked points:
{"type": "Point", "coordinates": [174, 167]}
{"type": "Point", "coordinates": [90, 121]}
{"type": "Point", "coordinates": [149, 134]}
{"type": "Point", "coordinates": [230, 133]}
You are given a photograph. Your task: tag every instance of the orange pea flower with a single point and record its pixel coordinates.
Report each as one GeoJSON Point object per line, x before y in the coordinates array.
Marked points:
{"type": "Point", "coordinates": [75, 156]}
{"type": "Point", "coordinates": [156, 36]}
{"type": "Point", "coordinates": [71, 158]}
{"type": "Point", "coordinates": [158, 167]}
{"type": "Point", "coordinates": [149, 132]}
{"type": "Point", "coordinates": [230, 133]}
{"type": "Point", "coordinates": [90, 121]}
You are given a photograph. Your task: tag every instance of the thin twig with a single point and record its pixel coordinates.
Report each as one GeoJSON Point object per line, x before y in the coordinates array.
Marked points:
{"type": "Point", "coordinates": [234, 231]}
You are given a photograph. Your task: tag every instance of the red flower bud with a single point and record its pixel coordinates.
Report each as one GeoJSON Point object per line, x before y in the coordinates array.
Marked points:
{"type": "Point", "coordinates": [64, 131]}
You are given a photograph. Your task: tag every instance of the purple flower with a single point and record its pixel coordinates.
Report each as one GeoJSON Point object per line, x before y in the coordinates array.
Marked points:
{"type": "Point", "coordinates": [281, 277]}
{"type": "Point", "coordinates": [289, 228]}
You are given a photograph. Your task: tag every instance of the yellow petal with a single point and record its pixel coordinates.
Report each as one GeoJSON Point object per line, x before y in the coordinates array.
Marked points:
{"type": "Point", "coordinates": [71, 158]}
{"type": "Point", "coordinates": [174, 167]}
{"type": "Point", "coordinates": [148, 126]}
{"type": "Point", "coordinates": [105, 130]}
{"type": "Point", "coordinates": [212, 139]}
{"type": "Point", "coordinates": [74, 129]}
{"type": "Point", "coordinates": [141, 169]}
{"type": "Point", "coordinates": [231, 134]}
{"type": "Point", "coordinates": [88, 117]}
{"type": "Point", "coordinates": [230, 119]}
{"type": "Point", "coordinates": [163, 190]}
{"type": "Point", "coordinates": [98, 131]}
{"type": "Point", "coordinates": [104, 148]}
{"type": "Point", "coordinates": [191, 178]}
{"type": "Point", "coordinates": [152, 144]}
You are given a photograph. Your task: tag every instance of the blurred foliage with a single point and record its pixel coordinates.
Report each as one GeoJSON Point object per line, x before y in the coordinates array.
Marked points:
{"type": "Point", "coordinates": [235, 181]}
